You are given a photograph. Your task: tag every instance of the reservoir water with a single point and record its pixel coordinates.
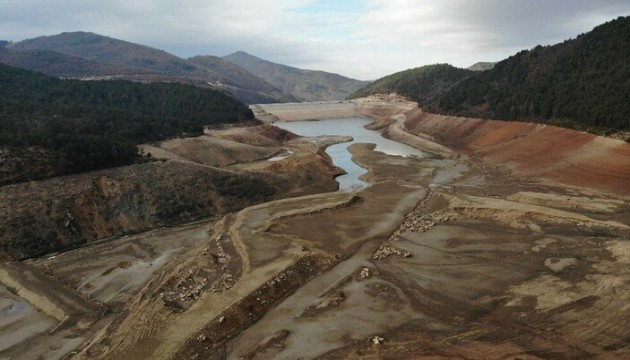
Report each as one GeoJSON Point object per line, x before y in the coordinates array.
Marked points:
{"type": "Point", "coordinates": [339, 152]}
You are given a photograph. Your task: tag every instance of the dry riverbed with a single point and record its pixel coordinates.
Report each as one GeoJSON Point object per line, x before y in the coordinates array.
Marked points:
{"type": "Point", "coordinates": [440, 257]}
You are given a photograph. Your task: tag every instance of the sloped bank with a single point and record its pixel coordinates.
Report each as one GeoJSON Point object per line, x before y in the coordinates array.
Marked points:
{"type": "Point", "coordinates": [52, 215]}
{"type": "Point", "coordinates": [562, 155]}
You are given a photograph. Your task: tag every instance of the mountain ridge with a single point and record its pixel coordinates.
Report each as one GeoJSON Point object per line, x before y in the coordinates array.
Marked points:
{"type": "Point", "coordinates": [580, 83]}
{"type": "Point", "coordinates": [305, 85]}
{"type": "Point", "coordinates": [105, 49]}
{"type": "Point", "coordinates": [89, 55]}
{"type": "Point", "coordinates": [418, 84]}
{"type": "Point", "coordinates": [63, 65]}
{"type": "Point", "coordinates": [85, 54]}
{"type": "Point", "coordinates": [237, 76]}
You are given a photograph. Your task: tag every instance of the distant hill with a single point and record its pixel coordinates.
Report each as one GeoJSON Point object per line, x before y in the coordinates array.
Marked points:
{"type": "Point", "coordinates": [52, 127]}
{"type": "Point", "coordinates": [481, 66]}
{"type": "Point", "coordinates": [84, 54]}
{"type": "Point", "coordinates": [246, 85]}
{"type": "Point", "coordinates": [63, 65]}
{"type": "Point", "coordinates": [305, 85]}
{"type": "Point", "coordinates": [419, 84]}
{"type": "Point", "coordinates": [108, 50]}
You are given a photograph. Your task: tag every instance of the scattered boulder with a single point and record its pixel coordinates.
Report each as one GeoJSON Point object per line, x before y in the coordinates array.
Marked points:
{"type": "Point", "coordinates": [364, 273]}
{"type": "Point", "coordinates": [376, 340]}
{"type": "Point", "coordinates": [386, 251]}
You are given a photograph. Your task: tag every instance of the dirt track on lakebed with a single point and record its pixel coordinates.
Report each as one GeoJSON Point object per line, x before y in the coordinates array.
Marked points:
{"type": "Point", "coordinates": [451, 256]}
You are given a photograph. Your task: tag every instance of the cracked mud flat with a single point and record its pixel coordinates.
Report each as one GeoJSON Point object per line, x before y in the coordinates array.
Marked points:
{"type": "Point", "coordinates": [443, 257]}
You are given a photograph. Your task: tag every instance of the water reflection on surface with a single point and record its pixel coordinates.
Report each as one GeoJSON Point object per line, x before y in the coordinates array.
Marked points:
{"type": "Point", "coordinates": [339, 152]}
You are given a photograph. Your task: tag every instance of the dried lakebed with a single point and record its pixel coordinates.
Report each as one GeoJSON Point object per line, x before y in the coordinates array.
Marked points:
{"type": "Point", "coordinates": [439, 257]}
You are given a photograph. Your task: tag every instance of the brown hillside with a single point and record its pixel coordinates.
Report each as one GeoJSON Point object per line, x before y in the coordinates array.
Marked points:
{"type": "Point", "coordinates": [51, 215]}
{"type": "Point", "coordinates": [567, 156]}
{"type": "Point", "coordinates": [46, 216]}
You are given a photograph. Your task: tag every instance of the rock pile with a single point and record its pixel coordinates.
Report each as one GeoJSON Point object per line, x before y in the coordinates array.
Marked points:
{"type": "Point", "coordinates": [376, 340]}
{"type": "Point", "coordinates": [386, 251]}
{"type": "Point", "coordinates": [225, 282]}
{"type": "Point", "coordinates": [364, 273]}
{"type": "Point", "coordinates": [416, 221]}
{"type": "Point", "coordinates": [211, 272]}
{"type": "Point", "coordinates": [185, 291]}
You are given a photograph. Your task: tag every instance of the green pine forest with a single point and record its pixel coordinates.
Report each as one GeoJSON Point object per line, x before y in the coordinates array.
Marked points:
{"type": "Point", "coordinates": [74, 126]}
{"type": "Point", "coordinates": [583, 83]}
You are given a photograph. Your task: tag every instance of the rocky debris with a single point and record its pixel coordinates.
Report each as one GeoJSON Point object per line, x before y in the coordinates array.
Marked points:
{"type": "Point", "coordinates": [224, 283]}
{"type": "Point", "coordinates": [252, 307]}
{"type": "Point", "coordinates": [184, 292]}
{"type": "Point", "coordinates": [278, 279]}
{"type": "Point", "coordinates": [220, 257]}
{"type": "Point", "coordinates": [331, 301]}
{"type": "Point", "coordinates": [263, 115]}
{"type": "Point", "coordinates": [376, 340]}
{"type": "Point", "coordinates": [417, 221]}
{"type": "Point", "coordinates": [386, 251]}
{"type": "Point", "coordinates": [211, 272]}
{"type": "Point", "coordinates": [364, 273]}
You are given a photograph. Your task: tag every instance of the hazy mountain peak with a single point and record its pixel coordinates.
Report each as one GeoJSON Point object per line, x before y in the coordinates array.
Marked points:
{"type": "Point", "coordinates": [305, 85]}
{"type": "Point", "coordinates": [242, 53]}
{"type": "Point", "coordinates": [481, 66]}
{"type": "Point", "coordinates": [86, 54]}
{"type": "Point", "coordinates": [250, 78]}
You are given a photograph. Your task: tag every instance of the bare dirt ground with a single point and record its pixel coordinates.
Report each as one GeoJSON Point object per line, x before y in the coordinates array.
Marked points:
{"type": "Point", "coordinates": [446, 257]}
{"type": "Point", "coordinates": [305, 111]}
{"type": "Point", "coordinates": [546, 152]}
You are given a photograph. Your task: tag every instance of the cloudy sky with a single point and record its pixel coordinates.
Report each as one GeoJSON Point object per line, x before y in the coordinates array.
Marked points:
{"type": "Point", "coordinates": [364, 39]}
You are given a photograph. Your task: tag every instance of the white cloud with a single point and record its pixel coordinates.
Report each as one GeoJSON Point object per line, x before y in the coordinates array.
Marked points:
{"type": "Point", "coordinates": [360, 38]}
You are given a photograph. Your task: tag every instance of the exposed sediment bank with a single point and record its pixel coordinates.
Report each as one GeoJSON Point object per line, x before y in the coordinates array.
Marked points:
{"type": "Point", "coordinates": [541, 151]}
{"type": "Point", "coordinates": [447, 256]}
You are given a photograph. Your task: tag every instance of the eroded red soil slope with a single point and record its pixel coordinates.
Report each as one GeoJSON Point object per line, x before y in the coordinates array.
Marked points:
{"type": "Point", "coordinates": [567, 156]}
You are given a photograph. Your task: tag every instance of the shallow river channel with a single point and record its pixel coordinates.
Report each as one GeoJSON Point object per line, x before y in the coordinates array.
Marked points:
{"type": "Point", "coordinates": [339, 153]}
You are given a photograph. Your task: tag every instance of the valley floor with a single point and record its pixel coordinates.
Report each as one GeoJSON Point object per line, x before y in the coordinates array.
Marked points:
{"type": "Point", "coordinates": [458, 255]}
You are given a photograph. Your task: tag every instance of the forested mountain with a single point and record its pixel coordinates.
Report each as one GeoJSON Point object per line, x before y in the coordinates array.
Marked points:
{"type": "Point", "coordinates": [305, 85]}
{"type": "Point", "coordinates": [250, 79]}
{"type": "Point", "coordinates": [582, 83]}
{"type": "Point", "coordinates": [108, 50]}
{"type": "Point", "coordinates": [63, 65]}
{"type": "Point", "coordinates": [52, 126]}
{"type": "Point", "coordinates": [420, 84]}
{"type": "Point", "coordinates": [83, 54]}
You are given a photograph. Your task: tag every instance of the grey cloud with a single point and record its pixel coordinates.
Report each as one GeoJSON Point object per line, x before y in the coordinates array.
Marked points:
{"type": "Point", "coordinates": [454, 31]}
{"type": "Point", "coordinates": [522, 23]}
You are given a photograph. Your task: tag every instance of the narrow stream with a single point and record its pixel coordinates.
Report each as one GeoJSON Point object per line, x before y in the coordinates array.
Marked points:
{"type": "Point", "coordinates": [339, 153]}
